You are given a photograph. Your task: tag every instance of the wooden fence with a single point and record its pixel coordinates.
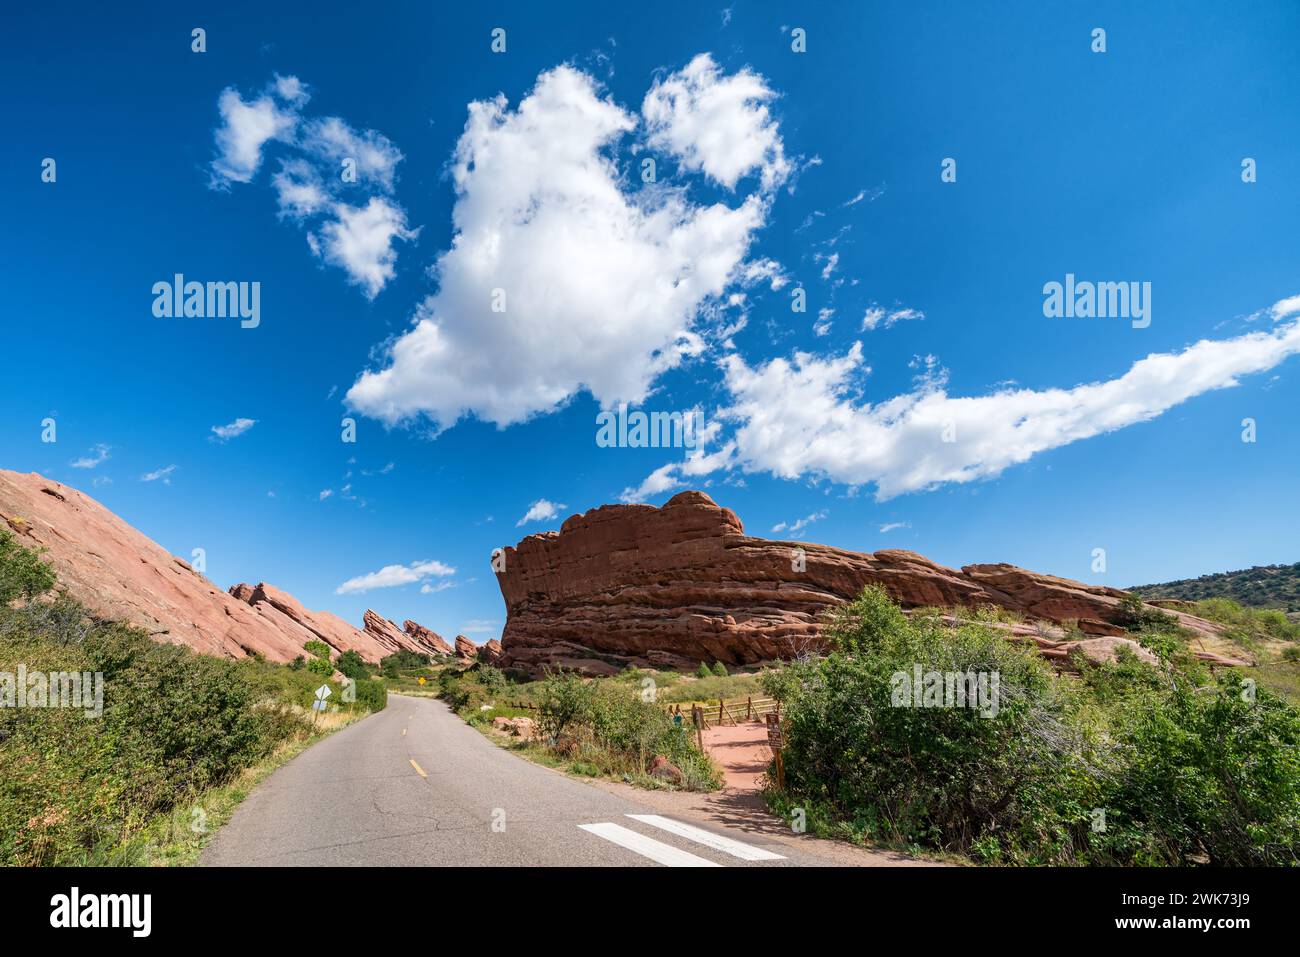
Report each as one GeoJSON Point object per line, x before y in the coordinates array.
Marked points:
{"type": "Point", "coordinates": [731, 712]}
{"type": "Point", "coordinates": [722, 712]}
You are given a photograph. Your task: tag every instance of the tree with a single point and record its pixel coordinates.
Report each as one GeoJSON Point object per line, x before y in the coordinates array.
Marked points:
{"type": "Point", "coordinates": [352, 665]}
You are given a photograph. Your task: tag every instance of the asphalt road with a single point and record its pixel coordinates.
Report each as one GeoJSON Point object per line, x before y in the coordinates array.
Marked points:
{"type": "Point", "coordinates": [414, 786]}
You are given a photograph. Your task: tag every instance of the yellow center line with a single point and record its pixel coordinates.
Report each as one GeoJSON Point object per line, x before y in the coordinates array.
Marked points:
{"type": "Point", "coordinates": [418, 770]}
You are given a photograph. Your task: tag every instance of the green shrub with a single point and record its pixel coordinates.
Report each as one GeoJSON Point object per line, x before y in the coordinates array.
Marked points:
{"type": "Point", "coordinates": [372, 694]}
{"type": "Point", "coordinates": [944, 777]}
{"type": "Point", "coordinates": [318, 649]}
{"type": "Point", "coordinates": [865, 620]}
{"type": "Point", "coordinates": [77, 789]}
{"type": "Point", "coordinates": [1291, 653]}
{"type": "Point", "coordinates": [492, 679]}
{"type": "Point", "coordinates": [703, 671]}
{"type": "Point", "coordinates": [1174, 770]}
{"type": "Point", "coordinates": [174, 723]}
{"type": "Point", "coordinates": [22, 572]}
{"type": "Point", "coordinates": [611, 728]}
{"type": "Point", "coordinates": [320, 666]}
{"type": "Point", "coordinates": [1135, 615]}
{"type": "Point", "coordinates": [720, 669]}
{"type": "Point", "coordinates": [403, 662]}
{"type": "Point", "coordinates": [352, 665]}
{"type": "Point", "coordinates": [565, 699]}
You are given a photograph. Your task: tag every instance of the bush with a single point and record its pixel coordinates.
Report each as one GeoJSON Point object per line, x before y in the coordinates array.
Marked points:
{"type": "Point", "coordinates": [720, 669]}
{"type": "Point", "coordinates": [403, 661]}
{"type": "Point", "coordinates": [22, 573]}
{"type": "Point", "coordinates": [608, 727]}
{"type": "Point", "coordinates": [1179, 771]}
{"type": "Point", "coordinates": [174, 723]}
{"type": "Point", "coordinates": [856, 743]}
{"type": "Point", "coordinates": [77, 789]}
{"type": "Point", "coordinates": [703, 671]}
{"type": "Point", "coordinates": [492, 679]}
{"type": "Point", "coordinates": [372, 694]}
{"type": "Point", "coordinates": [352, 665]}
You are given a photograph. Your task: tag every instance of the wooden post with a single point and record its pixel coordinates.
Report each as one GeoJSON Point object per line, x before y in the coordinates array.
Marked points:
{"type": "Point", "coordinates": [720, 712]}
{"type": "Point", "coordinates": [749, 708]}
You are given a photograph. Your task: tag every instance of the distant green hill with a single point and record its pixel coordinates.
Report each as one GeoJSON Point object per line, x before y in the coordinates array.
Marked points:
{"type": "Point", "coordinates": [1264, 586]}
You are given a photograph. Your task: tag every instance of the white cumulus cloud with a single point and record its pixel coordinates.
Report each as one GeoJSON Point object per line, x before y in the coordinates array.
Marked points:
{"type": "Point", "coordinates": [716, 123]}
{"type": "Point", "coordinates": [361, 241]}
{"type": "Point", "coordinates": [352, 223]}
{"type": "Point", "coordinates": [559, 277]}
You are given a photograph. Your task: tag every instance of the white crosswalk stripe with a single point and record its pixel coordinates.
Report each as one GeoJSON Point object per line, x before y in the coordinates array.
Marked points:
{"type": "Point", "coordinates": [656, 851]}
{"type": "Point", "coordinates": [727, 845]}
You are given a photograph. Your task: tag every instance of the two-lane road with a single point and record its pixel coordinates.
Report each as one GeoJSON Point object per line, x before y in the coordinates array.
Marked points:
{"type": "Point", "coordinates": [415, 785]}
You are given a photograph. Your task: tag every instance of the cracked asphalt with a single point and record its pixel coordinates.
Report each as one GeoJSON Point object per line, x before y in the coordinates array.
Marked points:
{"type": "Point", "coordinates": [415, 786]}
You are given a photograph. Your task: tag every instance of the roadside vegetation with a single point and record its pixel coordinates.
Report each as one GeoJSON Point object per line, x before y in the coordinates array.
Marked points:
{"type": "Point", "coordinates": [1122, 764]}
{"type": "Point", "coordinates": [179, 739]}
{"type": "Point", "coordinates": [592, 727]}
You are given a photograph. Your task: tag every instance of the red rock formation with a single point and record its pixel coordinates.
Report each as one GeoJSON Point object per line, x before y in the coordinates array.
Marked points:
{"type": "Point", "coordinates": [288, 614]}
{"type": "Point", "coordinates": [466, 650]}
{"type": "Point", "coordinates": [121, 574]}
{"type": "Point", "coordinates": [681, 584]}
{"type": "Point", "coordinates": [428, 638]}
{"type": "Point", "coordinates": [492, 652]}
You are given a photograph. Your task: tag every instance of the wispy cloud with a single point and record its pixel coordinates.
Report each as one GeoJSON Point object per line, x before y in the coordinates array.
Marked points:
{"type": "Point", "coordinates": [163, 473]}
{"type": "Point", "coordinates": [96, 457]}
{"type": "Point", "coordinates": [804, 416]}
{"type": "Point", "coordinates": [391, 576]}
{"type": "Point", "coordinates": [796, 528]}
{"type": "Point", "coordinates": [893, 526]}
{"type": "Point", "coordinates": [540, 511]}
{"type": "Point", "coordinates": [877, 317]}
{"type": "Point", "coordinates": [224, 433]}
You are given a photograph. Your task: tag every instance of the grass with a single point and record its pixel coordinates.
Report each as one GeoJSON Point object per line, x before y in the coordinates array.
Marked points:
{"type": "Point", "coordinates": [178, 839]}
{"type": "Point", "coordinates": [711, 689]}
{"type": "Point", "coordinates": [610, 731]}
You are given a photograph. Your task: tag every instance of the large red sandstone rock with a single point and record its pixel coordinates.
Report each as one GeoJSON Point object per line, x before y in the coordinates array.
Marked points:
{"type": "Point", "coordinates": [121, 574]}
{"type": "Point", "coordinates": [288, 614]}
{"type": "Point", "coordinates": [466, 650]}
{"type": "Point", "coordinates": [428, 638]}
{"type": "Point", "coordinates": [392, 638]}
{"type": "Point", "coordinates": [681, 584]}
{"type": "Point", "coordinates": [492, 652]}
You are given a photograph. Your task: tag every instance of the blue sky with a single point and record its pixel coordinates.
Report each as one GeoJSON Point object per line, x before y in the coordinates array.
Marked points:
{"type": "Point", "coordinates": [775, 170]}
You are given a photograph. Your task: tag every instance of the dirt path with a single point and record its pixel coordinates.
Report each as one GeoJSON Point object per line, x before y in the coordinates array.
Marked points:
{"type": "Point", "coordinates": [742, 753]}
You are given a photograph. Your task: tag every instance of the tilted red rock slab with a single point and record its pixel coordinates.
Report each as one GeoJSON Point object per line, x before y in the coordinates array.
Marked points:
{"type": "Point", "coordinates": [429, 639]}
{"type": "Point", "coordinates": [123, 575]}
{"type": "Point", "coordinates": [681, 584]}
